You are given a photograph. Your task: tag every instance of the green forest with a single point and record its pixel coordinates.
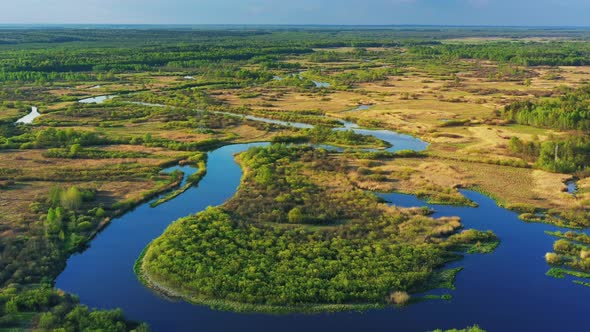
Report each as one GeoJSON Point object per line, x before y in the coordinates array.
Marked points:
{"type": "Point", "coordinates": [234, 252]}
{"type": "Point", "coordinates": [568, 111]}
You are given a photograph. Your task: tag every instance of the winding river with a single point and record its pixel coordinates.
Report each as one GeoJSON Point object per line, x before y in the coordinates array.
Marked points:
{"type": "Point", "coordinates": [503, 291]}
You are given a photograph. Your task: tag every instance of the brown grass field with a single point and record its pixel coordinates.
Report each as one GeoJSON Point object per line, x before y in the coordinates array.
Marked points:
{"type": "Point", "coordinates": [418, 100]}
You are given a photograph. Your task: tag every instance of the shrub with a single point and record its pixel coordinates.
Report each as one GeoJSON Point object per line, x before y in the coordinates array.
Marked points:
{"type": "Point", "coordinates": [552, 258]}
{"type": "Point", "coordinates": [85, 226]}
{"type": "Point", "coordinates": [11, 307]}
{"type": "Point", "coordinates": [295, 215]}
{"type": "Point", "coordinates": [71, 199]}
{"type": "Point", "coordinates": [47, 320]}
{"type": "Point", "coordinates": [563, 246]}
{"type": "Point", "coordinates": [399, 298]}
{"type": "Point", "coordinates": [100, 212]}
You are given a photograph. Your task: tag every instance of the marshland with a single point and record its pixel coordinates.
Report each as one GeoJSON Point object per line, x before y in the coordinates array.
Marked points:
{"type": "Point", "coordinates": [390, 177]}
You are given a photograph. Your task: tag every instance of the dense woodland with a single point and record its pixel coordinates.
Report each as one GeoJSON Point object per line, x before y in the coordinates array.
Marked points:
{"type": "Point", "coordinates": [247, 260]}
{"type": "Point", "coordinates": [61, 311]}
{"type": "Point", "coordinates": [518, 53]}
{"type": "Point", "coordinates": [569, 111]}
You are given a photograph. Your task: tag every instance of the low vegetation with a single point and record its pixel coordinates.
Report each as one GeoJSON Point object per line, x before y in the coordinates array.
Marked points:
{"type": "Point", "coordinates": [571, 257]}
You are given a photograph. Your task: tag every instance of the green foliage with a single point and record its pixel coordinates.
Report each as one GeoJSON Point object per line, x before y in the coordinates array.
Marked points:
{"type": "Point", "coordinates": [560, 273]}
{"type": "Point", "coordinates": [199, 160]}
{"type": "Point", "coordinates": [252, 250]}
{"type": "Point", "coordinates": [519, 53]}
{"type": "Point", "coordinates": [276, 183]}
{"type": "Point", "coordinates": [583, 283]}
{"type": "Point", "coordinates": [71, 199]}
{"type": "Point", "coordinates": [54, 218]}
{"type": "Point", "coordinates": [100, 212]}
{"type": "Point", "coordinates": [325, 57]}
{"type": "Point", "coordinates": [10, 307]}
{"type": "Point", "coordinates": [574, 236]}
{"type": "Point", "coordinates": [528, 151]}
{"type": "Point", "coordinates": [322, 134]}
{"type": "Point", "coordinates": [363, 75]}
{"type": "Point", "coordinates": [570, 111]}
{"type": "Point", "coordinates": [258, 274]}
{"type": "Point", "coordinates": [57, 311]}
{"type": "Point", "coordinates": [474, 328]}
{"type": "Point", "coordinates": [474, 241]}
{"type": "Point", "coordinates": [189, 98]}
{"type": "Point", "coordinates": [444, 278]}
{"type": "Point", "coordinates": [78, 152]}
{"type": "Point", "coordinates": [564, 155]}
{"type": "Point", "coordinates": [295, 216]}
{"type": "Point", "coordinates": [570, 155]}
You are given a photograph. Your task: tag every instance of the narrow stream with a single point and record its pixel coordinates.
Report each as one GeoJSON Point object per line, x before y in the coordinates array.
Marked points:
{"type": "Point", "coordinates": [360, 108]}
{"type": "Point", "coordinates": [398, 141]}
{"type": "Point", "coordinates": [97, 99]}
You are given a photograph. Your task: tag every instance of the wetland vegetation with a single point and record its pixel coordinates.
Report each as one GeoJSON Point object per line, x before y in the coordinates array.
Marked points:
{"type": "Point", "coordinates": [504, 112]}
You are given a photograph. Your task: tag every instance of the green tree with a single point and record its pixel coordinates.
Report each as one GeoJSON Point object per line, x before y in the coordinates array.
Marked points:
{"type": "Point", "coordinates": [100, 212]}
{"type": "Point", "coordinates": [47, 320]}
{"type": "Point", "coordinates": [11, 307]}
{"type": "Point", "coordinates": [75, 150]}
{"type": "Point", "coordinates": [264, 175]}
{"type": "Point", "coordinates": [295, 215]}
{"type": "Point", "coordinates": [71, 199]}
{"type": "Point", "coordinates": [54, 197]}
{"type": "Point", "coordinates": [53, 222]}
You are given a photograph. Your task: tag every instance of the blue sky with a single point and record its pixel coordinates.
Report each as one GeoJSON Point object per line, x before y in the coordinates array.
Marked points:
{"type": "Point", "coordinates": [448, 12]}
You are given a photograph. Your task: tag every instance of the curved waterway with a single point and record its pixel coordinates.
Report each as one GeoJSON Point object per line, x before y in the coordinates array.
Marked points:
{"type": "Point", "coordinates": [96, 100]}
{"type": "Point", "coordinates": [503, 291]}
{"type": "Point", "coordinates": [397, 141]}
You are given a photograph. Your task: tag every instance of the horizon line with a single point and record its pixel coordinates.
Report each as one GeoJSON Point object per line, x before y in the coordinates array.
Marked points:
{"type": "Point", "coordinates": [287, 25]}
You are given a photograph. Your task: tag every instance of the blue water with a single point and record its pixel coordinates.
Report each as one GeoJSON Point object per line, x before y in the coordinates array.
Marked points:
{"type": "Point", "coordinates": [361, 108]}
{"type": "Point", "coordinates": [506, 290]}
{"type": "Point", "coordinates": [572, 187]}
{"type": "Point", "coordinates": [503, 291]}
{"type": "Point", "coordinates": [398, 141]}
{"type": "Point", "coordinates": [273, 121]}
{"type": "Point", "coordinates": [321, 84]}
{"type": "Point", "coordinates": [96, 100]}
